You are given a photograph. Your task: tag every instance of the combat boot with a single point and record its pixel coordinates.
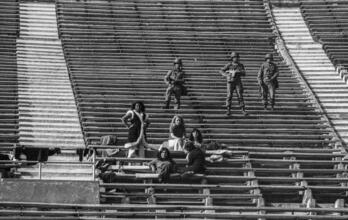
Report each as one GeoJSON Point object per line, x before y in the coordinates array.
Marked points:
{"type": "Point", "coordinates": [244, 111]}
{"type": "Point", "coordinates": [177, 106]}
{"type": "Point", "coordinates": [228, 112]}
{"type": "Point", "coordinates": [272, 104]}
{"type": "Point", "coordinates": [265, 106]}
{"type": "Point", "coordinates": [166, 105]}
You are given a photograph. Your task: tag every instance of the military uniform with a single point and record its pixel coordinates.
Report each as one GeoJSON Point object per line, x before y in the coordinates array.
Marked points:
{"type": "Point", "coordinates": [233, 72]}
{"type": "Point", "coordinates": [267, 79]}
{"type": "Point", "coordinates": [175, 81]}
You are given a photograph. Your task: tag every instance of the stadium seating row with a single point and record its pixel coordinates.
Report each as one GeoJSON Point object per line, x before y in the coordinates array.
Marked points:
{"type": "Point", "coordinates": [9, 23]}
{"type": "Point", "coordinates": [327, 21]}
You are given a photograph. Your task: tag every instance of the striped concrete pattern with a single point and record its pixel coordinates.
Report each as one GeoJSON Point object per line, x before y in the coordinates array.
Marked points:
{"type": "Point", "coordinates": [316, 67]}
{"type": "Point", "coordinates": [48, 115]}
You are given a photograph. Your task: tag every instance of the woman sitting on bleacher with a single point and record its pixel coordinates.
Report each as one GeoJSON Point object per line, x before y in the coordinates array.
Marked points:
{"type": "Point", "coordinates": [177, 133]}
{"type": "Point", "coordinates": [197, 138]}
{"type": "Point", "coordinates": [215, 152]}
{"type": "Point", "coordinates": [136, 121]}
{"type": "Point", "coordinates": [163, 165]}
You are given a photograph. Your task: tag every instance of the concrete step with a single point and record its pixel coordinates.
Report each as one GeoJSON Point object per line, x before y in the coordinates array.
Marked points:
{"type": "Point", "coordinates": [52, 124]}
{"type": "Point", "coordinates": [313, 63]}
{"type": "Point", "coordinates": [49, 141]}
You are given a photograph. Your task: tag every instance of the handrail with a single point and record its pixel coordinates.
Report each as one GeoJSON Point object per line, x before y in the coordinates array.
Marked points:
{"type": "Point", "coordinates": [281, 47]}
{"type": "Point", "coordinates": [23, 163]}
{"type": "Point", "coordinates": [184, 207]}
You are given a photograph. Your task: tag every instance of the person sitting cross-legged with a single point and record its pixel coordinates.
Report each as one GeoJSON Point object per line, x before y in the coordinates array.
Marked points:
{"type": "Point", "coordinates": [163, 165]}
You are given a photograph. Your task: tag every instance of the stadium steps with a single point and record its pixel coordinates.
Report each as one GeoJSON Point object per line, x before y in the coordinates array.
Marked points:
{"type": "Point", "coordinates": [328, 24]}
{"type": "Point", "coordinates": [43, 77]}
{"type": "Point", "coordinates": [125, 59]}
{"type": "Point", "coordinates": [318, 71]}
{"type": "Point", "coordinates": [136, 50]}
{"type": "Point", "coordinates": [48, 116]}
{"type": "Point", "coordinates": [9, 27]}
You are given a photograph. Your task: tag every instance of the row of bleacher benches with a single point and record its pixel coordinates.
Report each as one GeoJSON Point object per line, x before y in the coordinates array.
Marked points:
{"type": "Point", "coordinates": [111, 47]}
{"type": "Point", "coordinates": [328, 23]}
{"type": "Point", "coordinates": [9, 29]}
{"type": "Point", "coordinates": [114, 55]}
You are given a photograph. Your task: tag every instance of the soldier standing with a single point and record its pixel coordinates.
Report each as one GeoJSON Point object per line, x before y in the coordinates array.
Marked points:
{"type": "Point", "coordinates": [175, 81]}
{"type": "Point", "coordinates": [233, 72]}
{"type": "Point", "coordinates": [267, 79]}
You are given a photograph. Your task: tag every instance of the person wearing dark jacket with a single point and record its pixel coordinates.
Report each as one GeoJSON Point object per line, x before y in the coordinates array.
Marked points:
{"type": "Point", "coordinates": [195, 159]}
{"type": "Point", "coordinates": [163, 165]}
{"type": "Point", "coordinates": [137, 121]}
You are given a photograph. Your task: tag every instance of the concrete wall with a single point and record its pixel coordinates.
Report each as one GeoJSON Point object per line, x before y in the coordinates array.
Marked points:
{"type": "Point", "coordinates": [49, 191]}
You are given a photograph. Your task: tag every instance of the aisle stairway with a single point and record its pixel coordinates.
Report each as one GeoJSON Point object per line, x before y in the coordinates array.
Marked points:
{"type": "Point", "coordinates": [283, 161]}
{"type": "Point", "coordinates": [315, 66]}
{"type": "Point", "coordinates": [48, 115]}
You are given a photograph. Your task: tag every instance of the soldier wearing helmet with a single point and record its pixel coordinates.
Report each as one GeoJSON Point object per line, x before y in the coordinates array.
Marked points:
{"type": "Point", "coordinates": [175, 81]}
{"type": "Point", "coordinates": [267, 79]}
{"type": "Point", "coordinates": [233, 72]}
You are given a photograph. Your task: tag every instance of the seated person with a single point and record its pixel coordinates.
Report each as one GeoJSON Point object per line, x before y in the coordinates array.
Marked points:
{"type": "Point", "coordinates": [177, 133]}
{"type": "Point", "coordinates": [197, 138]}
{"type": "Point", "coordinates": [195, 159]}
{"type": "Point", "coordinates": [213, 149]}
{"type": "Point", "coordinates": [163, 165]}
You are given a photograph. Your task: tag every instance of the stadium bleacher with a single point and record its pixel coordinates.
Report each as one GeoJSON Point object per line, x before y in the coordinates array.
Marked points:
{"type": "Point", "coordinates": [285, 164]}
{"type": "Point", "coordinates": [328, 22]}
{"type": "Point", "coordinates": [9, 23]}
{"type": "Point", "coordinates": [113, 46]}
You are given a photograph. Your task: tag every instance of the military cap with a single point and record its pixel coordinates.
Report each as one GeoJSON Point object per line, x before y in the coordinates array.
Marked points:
{"type": "Point", "coordinates": [177, 60]}
{"type": "Point", "coordinates": [234, 54]}
{"type": "Point", "coordinates": [269, 56]}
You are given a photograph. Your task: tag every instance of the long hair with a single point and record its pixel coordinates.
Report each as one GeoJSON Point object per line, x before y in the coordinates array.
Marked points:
{"type": "Point", "coordinates": [142, 106]}
{"type": "Point", "coordinates": [182, 122]}
{"type": "Point", "coordinates": [169, 157]}
{"type": "Point", "coordinates": [199, 136]}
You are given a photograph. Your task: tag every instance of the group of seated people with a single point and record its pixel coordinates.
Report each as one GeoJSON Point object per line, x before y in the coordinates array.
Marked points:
{"type": "Point", "coordinates": [196, 151]}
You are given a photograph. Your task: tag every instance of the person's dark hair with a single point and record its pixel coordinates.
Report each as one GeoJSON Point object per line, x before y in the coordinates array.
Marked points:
{"type": "Point", "coordinates": [199, 136]}
{"type": "Point", "coordinates": [189, 146]}
{"type": "Point", "coordinates": [142, 106]}
{"type": "Point", "coordinates": [164, 149]}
